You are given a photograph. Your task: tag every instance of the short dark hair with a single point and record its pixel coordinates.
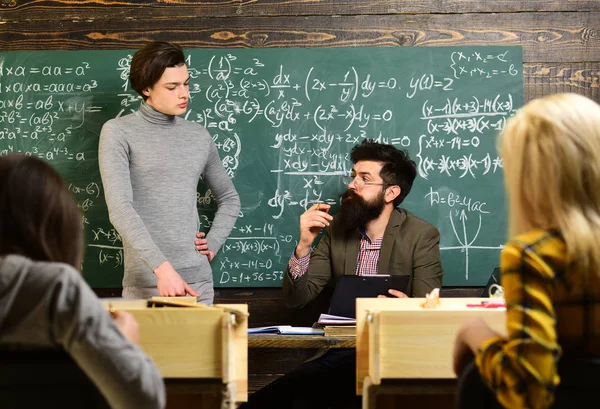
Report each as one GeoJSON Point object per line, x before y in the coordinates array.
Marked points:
{"type": "Point", "coordinates": [398, 168]}
{"type": "Point", "coordinates": [38, 216]}
{"type": "Point", "coordinates": [149, 64]}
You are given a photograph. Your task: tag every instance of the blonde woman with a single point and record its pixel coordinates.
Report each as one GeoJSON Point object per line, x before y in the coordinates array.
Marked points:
{"type": "Point", "coordinates": [551, 265]}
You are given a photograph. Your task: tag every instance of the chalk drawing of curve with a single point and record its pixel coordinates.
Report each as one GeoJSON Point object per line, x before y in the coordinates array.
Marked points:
{"type": "Point", "coordinates": [465, 244]}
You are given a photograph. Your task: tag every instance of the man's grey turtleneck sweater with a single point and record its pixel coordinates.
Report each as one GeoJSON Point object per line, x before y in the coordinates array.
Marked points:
{"type": "Point", "coordinates": [150, 165]}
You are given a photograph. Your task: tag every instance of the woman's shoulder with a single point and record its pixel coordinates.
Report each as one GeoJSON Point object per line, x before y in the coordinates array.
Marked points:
{"type": "Point", "coordinates": [538, 240]}
{"type": "Point", "coordinates": [43, 272]}
{"type": "Point", "coordinates": [545, 250]}
{"type": "Point", "coordinates": [29, 287]}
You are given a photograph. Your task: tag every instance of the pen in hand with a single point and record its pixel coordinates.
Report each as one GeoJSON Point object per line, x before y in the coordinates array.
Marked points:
{"type": "Point", "coordinates": [126, 323]}
{"type": "Point", "coordinates": [326, 210]}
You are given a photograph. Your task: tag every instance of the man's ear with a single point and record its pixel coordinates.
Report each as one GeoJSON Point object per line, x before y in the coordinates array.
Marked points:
{"type": "Point", "coordinates": [146, 92]}
{"type": "Point", "coordinates": [391, 193]}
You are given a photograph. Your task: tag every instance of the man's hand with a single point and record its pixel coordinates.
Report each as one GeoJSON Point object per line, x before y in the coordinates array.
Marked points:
{"type": "Point", "coordinates": [311, 223]}
{"type": "Point", "coordinates": [170, 283]}
{"type": "Point", "coordinates": [202, 246]}
{"type": "Point", "coordinates": [127, 324]}
{"type": "Point", "coordinates": [393, 293]}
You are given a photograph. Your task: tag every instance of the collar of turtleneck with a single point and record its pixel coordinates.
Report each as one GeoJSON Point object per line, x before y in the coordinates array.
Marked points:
{"type": "Point", "coordinates": [151, 115]}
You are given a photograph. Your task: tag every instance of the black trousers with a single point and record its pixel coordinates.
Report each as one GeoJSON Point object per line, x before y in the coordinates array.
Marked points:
{"type": "Point", "coordinates": [578, 386]}
{"type": "Point", "coordinates": [328, 382]}
{"type": "Point", "coordinates": [471, 392]}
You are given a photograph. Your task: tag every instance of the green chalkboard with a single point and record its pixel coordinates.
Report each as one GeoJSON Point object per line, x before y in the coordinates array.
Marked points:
{"type": "Point", "coordinates": [284, 121]}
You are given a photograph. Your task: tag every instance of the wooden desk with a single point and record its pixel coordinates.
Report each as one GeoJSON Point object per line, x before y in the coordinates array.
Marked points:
{"type": "Point", "coordinates": [199, 350]}
{"type": "Point", "coordinates": [403, 348]}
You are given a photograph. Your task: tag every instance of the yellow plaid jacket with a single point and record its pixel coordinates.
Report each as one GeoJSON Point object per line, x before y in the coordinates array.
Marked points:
{"type": "Point", "coordinates": [551, 310]}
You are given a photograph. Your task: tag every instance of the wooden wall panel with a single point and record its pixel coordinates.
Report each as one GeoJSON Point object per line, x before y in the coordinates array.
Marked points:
{"type": "Point", "coordinates": [546, 37]}
{"type": "Point", "coordinates": [545, 79]}
{"type": "Point", "coordinates": [14, 10]}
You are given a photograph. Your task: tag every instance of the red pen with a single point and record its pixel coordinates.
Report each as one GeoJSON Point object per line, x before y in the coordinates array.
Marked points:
{"type": "Point", "coordinates": [486, 304]}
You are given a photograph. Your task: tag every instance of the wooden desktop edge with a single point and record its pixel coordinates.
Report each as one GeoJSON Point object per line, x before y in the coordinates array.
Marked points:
{"type": "Point", "coordinates": [193, 303]}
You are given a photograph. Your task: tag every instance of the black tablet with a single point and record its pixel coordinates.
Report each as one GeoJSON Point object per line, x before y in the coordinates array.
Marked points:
{"type": "Point", "coordinates": [351, 287]}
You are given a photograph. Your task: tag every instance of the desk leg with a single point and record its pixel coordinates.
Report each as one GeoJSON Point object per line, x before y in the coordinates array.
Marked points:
{"type": "Point", "coordinates": [369, 398]}
{"type": "Point", "coordinates": [199, 393]}
{"type": "Point", "coordinates": [409, 393]}
{"type": "Point", "coordinates": [229, 394]}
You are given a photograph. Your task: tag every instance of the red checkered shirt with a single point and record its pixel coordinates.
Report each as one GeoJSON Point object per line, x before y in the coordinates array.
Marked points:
{"type": "Point", "coordinates": [366, 263]}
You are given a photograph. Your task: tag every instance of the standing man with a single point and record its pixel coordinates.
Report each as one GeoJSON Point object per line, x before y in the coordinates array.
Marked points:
{"type": "Point", "coordinates": [150, 163]}
{"type": "Point", "coordinates": [368, 236]}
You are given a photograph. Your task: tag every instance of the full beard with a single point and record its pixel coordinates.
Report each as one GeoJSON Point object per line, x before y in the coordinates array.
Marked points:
{"type": "Point", "coordinates": [355, 212]}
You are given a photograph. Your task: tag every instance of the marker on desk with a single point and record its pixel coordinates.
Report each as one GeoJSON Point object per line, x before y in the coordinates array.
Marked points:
{"type": "Point", "coordinates": [487, 304]}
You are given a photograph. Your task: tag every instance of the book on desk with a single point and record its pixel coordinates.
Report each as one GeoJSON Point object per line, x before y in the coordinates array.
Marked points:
{"type": "Point", "coordinates": [328, 330]}
{"type": "Point", "coordinates": [340, 331]}
{"type": "Point", "coordinates": [286, 330]}
{"type": "Point", "coordinates": [328, 319]}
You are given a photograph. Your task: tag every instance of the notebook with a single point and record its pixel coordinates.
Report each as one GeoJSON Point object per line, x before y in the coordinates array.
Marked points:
{"type": "Point", "coordinates": [328, 319]}
{"type": "Point", "coordinates": [351, 287]}
{"type": "Point", "coordinates": [286, 330]}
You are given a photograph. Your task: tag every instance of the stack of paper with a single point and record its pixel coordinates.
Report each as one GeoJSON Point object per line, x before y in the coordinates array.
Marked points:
{"type": "Point", "coordinates": [340, 330]}
{"type": "Point", "coordinates": [286, 330]}
{"type": "Point", "coordinates": [327, 319]}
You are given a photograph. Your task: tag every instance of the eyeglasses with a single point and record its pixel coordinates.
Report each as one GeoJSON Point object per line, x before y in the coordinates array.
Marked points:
{"type": "Point", "coordinates": [360, 182]}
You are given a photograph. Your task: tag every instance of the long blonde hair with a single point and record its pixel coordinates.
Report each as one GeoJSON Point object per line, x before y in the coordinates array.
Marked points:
{"type": "Point", "coordinates": [551, 154]}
